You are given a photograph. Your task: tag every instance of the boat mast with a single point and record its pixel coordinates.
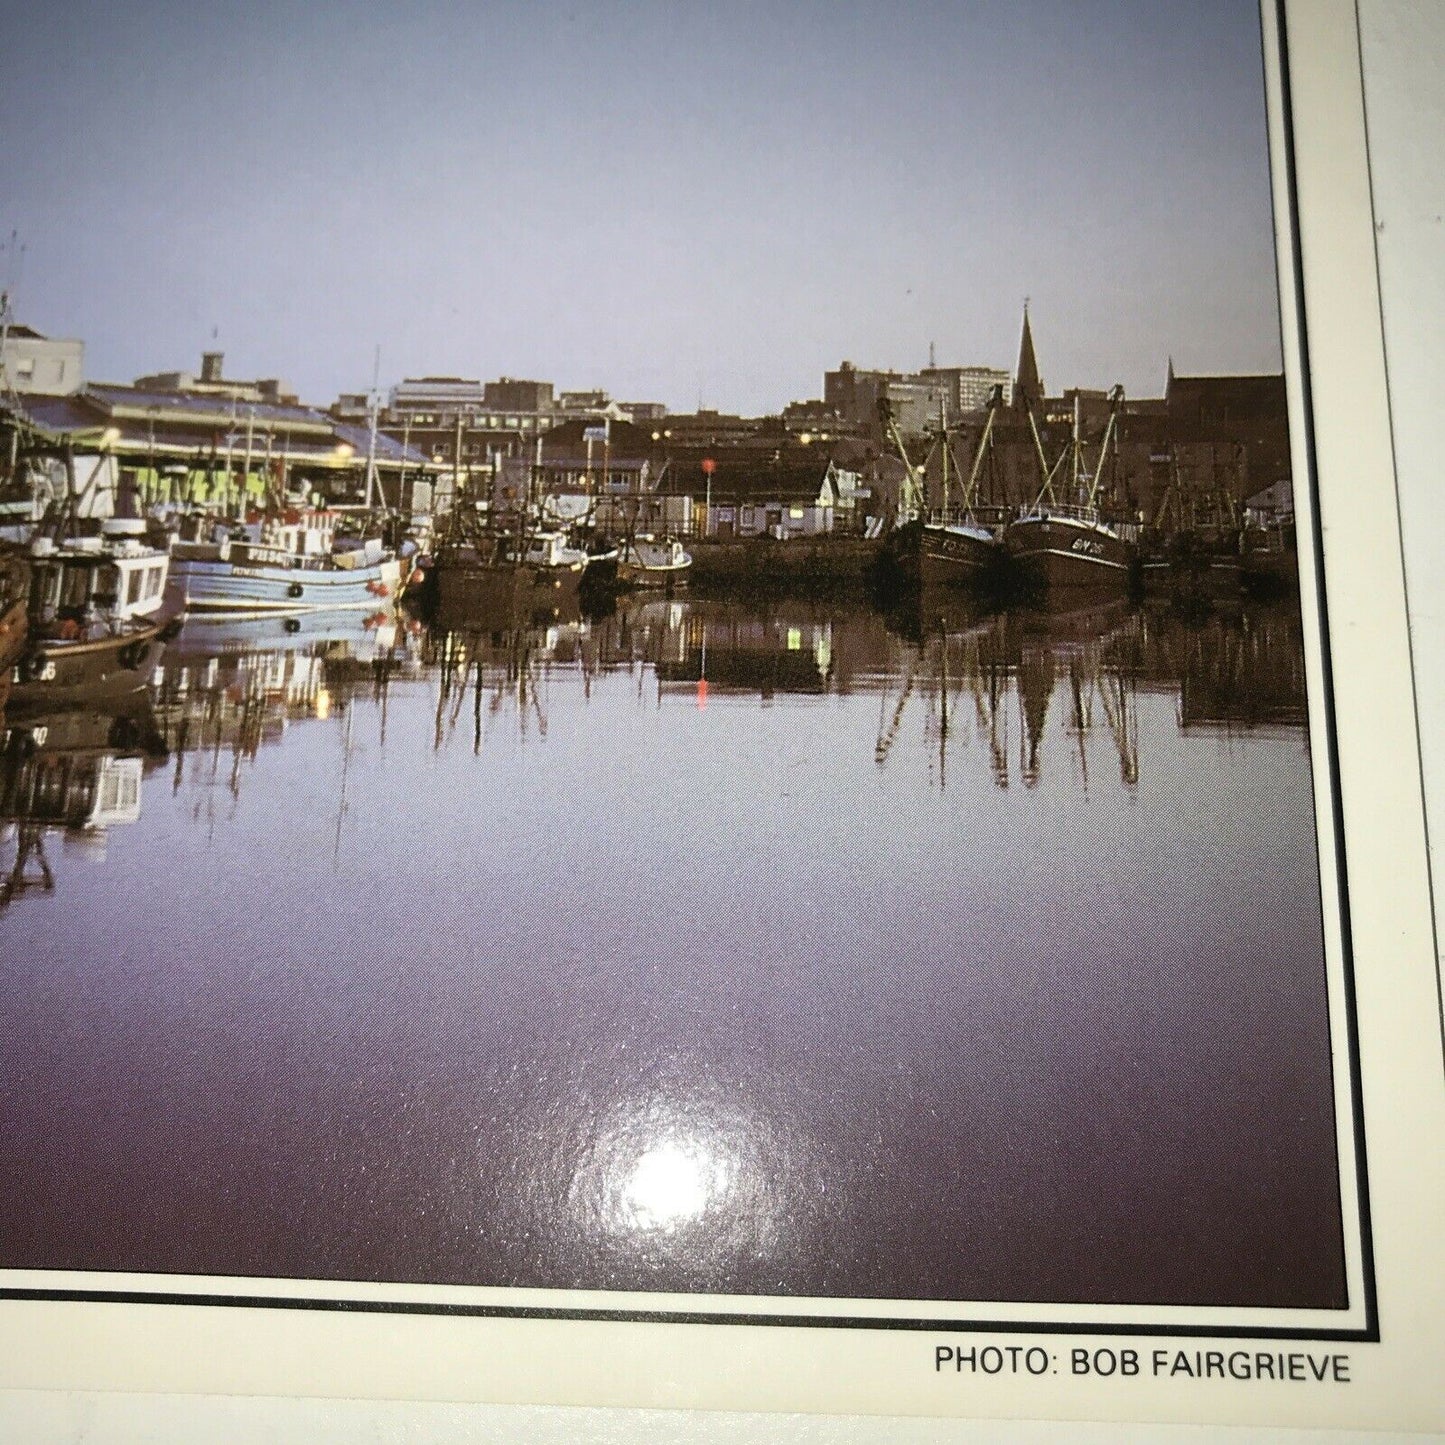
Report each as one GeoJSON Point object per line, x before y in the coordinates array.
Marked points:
{"type": "Point", "coordinates": [246, 475]}
{"type": "Point", "coordinates": [405, 450]}
{"type": "Point", "coordinates": [910, 500]}
{"type": "Point", "coordinates": [230, 453]}
{"type": "Point", "coordinates": [970, 492]}
{"type": "Point", "coordinates": [1116, 405]}
{"type": "Point", "coordinates": [1076, 450]}
{"type": "Point", "coordinates": [943, 441]}
{"type": "Point", "coordinates": [457, 463]}
{"type": "Point", "coordinates": [371, 416]}
{"type": "Point", "coordinates": [7, 384]}
{"type": "Point", "coordinates": [1045, 470]}
{"type": "Point", "coordinates": [606, 465]}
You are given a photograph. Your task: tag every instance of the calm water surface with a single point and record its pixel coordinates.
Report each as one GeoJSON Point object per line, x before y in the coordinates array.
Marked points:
{"type": "Point", "coordinates": [703, 947]}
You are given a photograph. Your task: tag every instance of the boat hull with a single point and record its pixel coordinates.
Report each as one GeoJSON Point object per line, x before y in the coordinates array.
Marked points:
{"type": "Point", "coordinates": [238, 587]}
{"type": "Point", "coordinates": [473, 593]}
{"type": "Point", "coordinates": [1215, 578]}
{"type": "Point", "coordinates": [59, 672]}
{"type": "Point", "coordinates": [954, 554]}
{"type": "Point", "coordinates": [632, 574]}
{"type": "Point", "coordinates": [1069, 552]}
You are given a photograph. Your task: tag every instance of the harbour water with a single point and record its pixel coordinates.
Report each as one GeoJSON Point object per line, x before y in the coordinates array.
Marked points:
{"type": "Point", "coordinates": [767, 950]}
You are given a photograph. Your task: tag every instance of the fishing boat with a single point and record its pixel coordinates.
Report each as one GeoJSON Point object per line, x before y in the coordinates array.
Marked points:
{"type": "Point", "coordinates": [498, 572]}
{"type": "Point", "coordinates": [956, 543]}
{"type": "Point", "coordinates": [284, 564]}
{"type": "Point", "coordinates": [648, 561]}
{"type": "Point", "coordinates": [1069, 544]}
{"type": "Point", "coordinates": [97, 615]}
{"type": "Point", "coordinates": [554, 557]}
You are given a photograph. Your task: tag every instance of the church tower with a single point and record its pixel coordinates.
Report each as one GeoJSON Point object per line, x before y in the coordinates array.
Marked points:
{"type": "Point", "coordinates": [1028, 388]}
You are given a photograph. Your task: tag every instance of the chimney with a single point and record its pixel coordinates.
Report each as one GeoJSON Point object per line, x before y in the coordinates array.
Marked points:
{"type": "Point", "coordinates": [211, 365]}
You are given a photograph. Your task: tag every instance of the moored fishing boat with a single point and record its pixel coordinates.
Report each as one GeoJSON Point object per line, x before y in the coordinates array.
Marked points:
{"type": "Point", "coordinates": [957, 545]}
{"type": "Point", "coordinates": [647, 561]}
{"type": "Point", "coordinates": [1069, 545]}
{"type": "Point", "coordinates": [96, 616]}
{"type": "Point", "coordinates": [554, 558]}
{"type": "Point", "coordinates": [283, 565]}
{"type": "Point", "coordinates": [498, 573]}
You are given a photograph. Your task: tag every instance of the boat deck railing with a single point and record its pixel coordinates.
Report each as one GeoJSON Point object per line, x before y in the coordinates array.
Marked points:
{"type": "Point", "coordinates": [989, 517]}
{"type": "Point", "coordinates": [1043, 511]}
{"type": "Point", "coordinates": [1127, 531]}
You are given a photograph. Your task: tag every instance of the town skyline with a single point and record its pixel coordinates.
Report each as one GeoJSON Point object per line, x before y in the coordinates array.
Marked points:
{"type": "Point", "coordinates": [679, 206]}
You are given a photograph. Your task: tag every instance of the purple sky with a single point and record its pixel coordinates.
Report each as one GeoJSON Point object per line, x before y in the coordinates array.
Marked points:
{"type": "Point", "coordinates": [671, 200]}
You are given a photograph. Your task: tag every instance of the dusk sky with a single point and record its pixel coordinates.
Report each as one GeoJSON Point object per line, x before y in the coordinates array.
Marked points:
{"type": "Point", "coordinates": [672, 201]}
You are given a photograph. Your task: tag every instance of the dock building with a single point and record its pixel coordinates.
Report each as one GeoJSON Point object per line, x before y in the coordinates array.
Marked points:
{"type": "Point", "coordinates": [129, 447]}
{"type": "Point", "coordinates": [33, 363]}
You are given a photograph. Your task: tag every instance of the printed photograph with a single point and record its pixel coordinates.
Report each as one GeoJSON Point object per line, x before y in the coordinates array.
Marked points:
{"type": "Point", "coordinates": [661, 649]}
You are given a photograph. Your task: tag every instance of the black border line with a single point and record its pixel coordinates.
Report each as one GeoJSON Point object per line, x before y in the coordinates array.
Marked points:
{"type": "Point", "coordinates": [601, 1315]}
{"type": "Point", "coordinates": [1368, 1333]}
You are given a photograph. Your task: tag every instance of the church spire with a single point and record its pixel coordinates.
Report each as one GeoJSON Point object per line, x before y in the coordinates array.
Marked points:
{"type": "Point", "coordinates": [1028, 389]}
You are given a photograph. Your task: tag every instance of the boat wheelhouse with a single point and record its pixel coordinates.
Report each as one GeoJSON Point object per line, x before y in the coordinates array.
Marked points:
{"type": "Point", "coordinates": [553, 555]}
{"type": "Point", "coordinates": [647, 561]}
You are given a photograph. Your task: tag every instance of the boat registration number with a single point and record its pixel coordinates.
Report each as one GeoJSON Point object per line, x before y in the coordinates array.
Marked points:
{"type": "Point", "coordinates": [1088, 546]}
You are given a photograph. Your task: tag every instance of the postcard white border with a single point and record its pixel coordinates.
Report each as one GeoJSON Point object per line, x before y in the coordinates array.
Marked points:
{"type": "Point", "coordinates": [308, 1341]}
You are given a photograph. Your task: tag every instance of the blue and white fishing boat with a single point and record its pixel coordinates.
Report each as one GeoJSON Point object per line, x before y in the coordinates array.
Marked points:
{"type": "Point", "coordinates": [283, 565]}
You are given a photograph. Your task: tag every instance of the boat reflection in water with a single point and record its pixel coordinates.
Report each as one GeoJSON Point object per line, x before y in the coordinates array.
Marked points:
{"type": "Point", "coordinates": [236, 684]}
{"type": "Point", "coordinates": [500, 649]}
{"type": "Point", "coordinates": [964, 684]}
{"type": "Point", "coordinates": [76, 772]}
{"type": "Point", "coordinates": [997, 683]}
{"type": "Point", "coordinates": [752, 948]}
